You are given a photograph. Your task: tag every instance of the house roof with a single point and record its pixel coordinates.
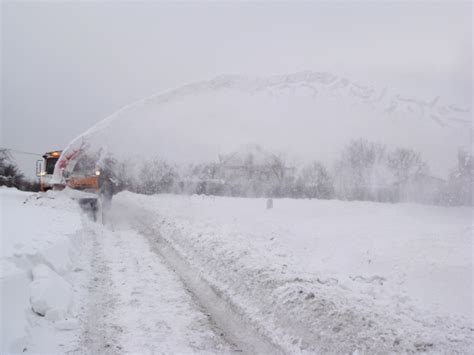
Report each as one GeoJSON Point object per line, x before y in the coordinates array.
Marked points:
{"type": "Point", "coordinates": [248, 155]}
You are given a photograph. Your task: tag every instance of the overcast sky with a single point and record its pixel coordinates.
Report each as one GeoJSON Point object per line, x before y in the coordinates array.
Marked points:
{"type": "Point", "coordinates": [67, 66]}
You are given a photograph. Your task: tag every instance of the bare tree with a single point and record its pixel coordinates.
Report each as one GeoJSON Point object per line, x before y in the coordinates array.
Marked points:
{"type": "Point", "coordinates": [157, 176]}
{"type": "Point", "coordinates": [461, 181]}
{"type": "Point", "coordinates": [280, 183]}
{"type": "Point", "coordinates": [404, 163]}
{"type": "Point", "coordinates": [361, 170]}
{"type": "Point", "coordinates": [10, 175]}
{"type": "Point", "coordinates": [314, 181]}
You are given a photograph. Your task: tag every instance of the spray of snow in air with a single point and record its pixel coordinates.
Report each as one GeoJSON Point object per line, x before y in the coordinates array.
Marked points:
{"type": "Point", "coordinates": [306, 115]}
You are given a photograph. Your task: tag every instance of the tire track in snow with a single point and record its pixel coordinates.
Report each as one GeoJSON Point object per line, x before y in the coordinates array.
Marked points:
{"type": "Point", "coordinates": [138, 304]}
{"type": "Point", "coordinates": [222, 317]}
{"type": "Point", "coordinates": [221, 312]}
{"type": "Point", "coordinates": [98, 335]}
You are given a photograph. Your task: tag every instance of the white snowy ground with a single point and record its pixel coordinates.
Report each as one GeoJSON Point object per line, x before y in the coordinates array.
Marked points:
{"type": "Point", "coordinates": [193, 274]}
{"type": "Point", "coordinates": [327, 276]}
{"type": "Point", "coordinates": [71, 285]}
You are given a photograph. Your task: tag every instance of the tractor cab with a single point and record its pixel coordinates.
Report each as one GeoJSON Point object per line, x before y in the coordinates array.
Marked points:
{"type": "Point", "coordinates": [45, 169]}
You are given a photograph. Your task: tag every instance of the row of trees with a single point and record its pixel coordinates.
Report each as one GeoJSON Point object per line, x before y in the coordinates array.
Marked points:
{"type": "Point", "coordinates": [364, 171]}
{"type": "Point", "coordinates": [11, 175]}
{"type": "Point", "coordinates": [368, 171]}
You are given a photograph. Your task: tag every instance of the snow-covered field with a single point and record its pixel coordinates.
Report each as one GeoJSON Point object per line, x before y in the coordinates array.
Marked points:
{"type": "Point", "coordinates": [170, 273]}
{"type": "Point", "coordinates": [328, 275]}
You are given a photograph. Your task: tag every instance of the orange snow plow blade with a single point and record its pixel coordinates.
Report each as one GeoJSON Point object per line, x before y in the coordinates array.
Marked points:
{"type": "Point", "coordinates": [83, 183]}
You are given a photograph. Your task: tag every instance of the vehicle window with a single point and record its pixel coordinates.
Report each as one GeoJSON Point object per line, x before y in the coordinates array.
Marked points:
{"type": "Point", "coordinates": [50, 163]}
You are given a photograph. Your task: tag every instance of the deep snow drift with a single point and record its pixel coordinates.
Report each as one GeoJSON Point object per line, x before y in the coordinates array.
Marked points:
{"type": "Point", "coordinates": [38, 239]}
{"type": "Point", "coordinates": [306, 116]}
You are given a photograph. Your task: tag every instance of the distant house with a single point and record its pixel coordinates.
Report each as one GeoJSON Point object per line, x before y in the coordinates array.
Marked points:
{"type": "Point", "coordinates": [201, 186]}
{"type": "Point", "coordinates": [422, 188]}
{"type": "Point", "coordinates": [252, 160]}
{"type": "Point", "coordinates": [250, 171]}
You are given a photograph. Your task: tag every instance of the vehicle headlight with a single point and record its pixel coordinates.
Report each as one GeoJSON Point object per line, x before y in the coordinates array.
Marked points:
{"type": "Point", "coordinates": [97, 172]}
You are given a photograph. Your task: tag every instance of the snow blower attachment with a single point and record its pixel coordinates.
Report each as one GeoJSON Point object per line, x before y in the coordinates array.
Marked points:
{"type": "Point", "coordinates": [93, 188]}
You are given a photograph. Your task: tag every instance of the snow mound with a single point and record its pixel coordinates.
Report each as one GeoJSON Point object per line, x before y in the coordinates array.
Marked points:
{"type": "Point", "coordinates": [41, 235]}
{"type": "Point", "coordinates": [309, 115]}
{"type": "Point", "coordinates": [50, 295]}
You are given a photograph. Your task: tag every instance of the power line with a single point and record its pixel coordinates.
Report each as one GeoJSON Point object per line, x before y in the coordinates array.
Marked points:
{"type": "Point", "coordinates": [22, 152]}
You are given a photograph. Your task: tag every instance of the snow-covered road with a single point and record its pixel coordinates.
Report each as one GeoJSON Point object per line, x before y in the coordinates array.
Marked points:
{"type": "Point", "coordinates": [143, 298]}
{"type": "Point", "coordinates": [136, 303]}
{"type": "Point", "coordinates": [125, 292]}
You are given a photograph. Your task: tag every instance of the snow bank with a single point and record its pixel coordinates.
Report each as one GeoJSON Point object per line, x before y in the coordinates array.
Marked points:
{"type": "Point", "coordinates": [36, 227]}
{"type": "Point", "coordinates": [327, 276]}
{"type": "Point", "coordinates": [38, 233]}
{"type": "Point", "coordinates": [50, 295]}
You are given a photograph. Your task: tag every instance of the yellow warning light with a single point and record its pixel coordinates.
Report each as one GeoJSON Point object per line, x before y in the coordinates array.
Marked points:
{"type": "Point", "coordinates": [55, 154]}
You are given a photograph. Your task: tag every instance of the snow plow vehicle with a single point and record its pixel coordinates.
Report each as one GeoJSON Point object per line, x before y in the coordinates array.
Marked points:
{"type": "Point", "coordinates": [82, 174]}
